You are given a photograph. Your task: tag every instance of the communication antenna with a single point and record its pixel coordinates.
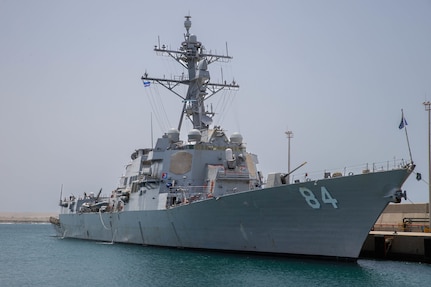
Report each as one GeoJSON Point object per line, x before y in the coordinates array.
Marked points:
{"type": "Point", "coordinates": [61, 194]}
{"type": "Point", "coordinates": [151, 120]}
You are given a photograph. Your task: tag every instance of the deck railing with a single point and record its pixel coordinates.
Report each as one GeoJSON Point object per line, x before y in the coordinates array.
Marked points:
{"type": "Point", "coordinates": [349, 170]}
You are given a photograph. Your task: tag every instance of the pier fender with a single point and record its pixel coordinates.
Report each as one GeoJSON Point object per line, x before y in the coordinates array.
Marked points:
{"type": "Point", "coordinates": [382, 245]}
{"type": "Point", "coordinates": [427, 249]}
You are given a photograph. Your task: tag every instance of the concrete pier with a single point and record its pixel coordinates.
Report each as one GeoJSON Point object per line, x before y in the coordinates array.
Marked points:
{"type": "Point", "coordinates": [406, 246]}
{"type": "Point", "coordinates": [401, 233]}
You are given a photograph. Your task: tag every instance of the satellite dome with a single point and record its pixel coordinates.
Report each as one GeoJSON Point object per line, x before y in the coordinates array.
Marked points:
{"type": "Point", "coordinates": [193, 39]}
{"type": "Point", "coordinates": [194, 135]}
{"type": "Point", "coordinates": [236, 138]}
{"type": "Point", "coordinates": [173, 135]}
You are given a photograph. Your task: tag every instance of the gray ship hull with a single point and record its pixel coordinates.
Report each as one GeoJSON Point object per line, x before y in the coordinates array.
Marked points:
{"type": "Point", "coordinates": [328, 218]}
{"type": "Point", "coordinates": [205, 192]}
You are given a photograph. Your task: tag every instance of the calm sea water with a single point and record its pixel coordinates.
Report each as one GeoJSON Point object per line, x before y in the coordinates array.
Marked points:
{"type": "Point", "coordinates": [31, 256]}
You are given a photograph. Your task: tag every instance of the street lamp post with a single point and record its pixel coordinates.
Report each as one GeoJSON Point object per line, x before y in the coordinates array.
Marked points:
{"type": "Point", "coordinates": [289, 135]}
{"type": "Point", "coordinates": [428, 109]}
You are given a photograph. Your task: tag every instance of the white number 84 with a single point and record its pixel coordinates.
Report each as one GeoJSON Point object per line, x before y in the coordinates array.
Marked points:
{"type": "Point", "coordinates": [313, 202]}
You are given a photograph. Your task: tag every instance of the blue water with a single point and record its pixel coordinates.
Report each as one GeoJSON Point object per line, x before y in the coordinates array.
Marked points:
{"type": "Point", "coordinates": [30, 255]}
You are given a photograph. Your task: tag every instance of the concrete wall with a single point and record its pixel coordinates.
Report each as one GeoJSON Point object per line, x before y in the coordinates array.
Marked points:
{"type": "Point", "coordinates": [404, 217]}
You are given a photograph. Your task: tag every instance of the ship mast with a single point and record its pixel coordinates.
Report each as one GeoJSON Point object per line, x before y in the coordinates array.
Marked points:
{"type": "Point", "coordinates": [192, 56]}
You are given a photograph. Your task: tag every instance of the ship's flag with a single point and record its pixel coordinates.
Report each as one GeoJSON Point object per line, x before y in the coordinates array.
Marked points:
{"type": "Point", "coordinates": [403, 122]}
{"type": "Point", "coordinates": [146, 83]}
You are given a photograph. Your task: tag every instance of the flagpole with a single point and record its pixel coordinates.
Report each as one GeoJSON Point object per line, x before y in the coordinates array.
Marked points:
{"type": "Point", "coordinates": [407, 136]}
{"type": "Point", "coordinates": [428, 109]}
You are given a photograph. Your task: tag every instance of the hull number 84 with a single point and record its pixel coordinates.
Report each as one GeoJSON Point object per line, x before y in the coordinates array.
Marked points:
{"type": "Point", "coordinates": [313, 201]}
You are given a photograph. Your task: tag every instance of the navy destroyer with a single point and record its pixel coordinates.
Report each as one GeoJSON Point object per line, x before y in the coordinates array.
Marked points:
{"type": "Point", "coordinates": [205, 192]}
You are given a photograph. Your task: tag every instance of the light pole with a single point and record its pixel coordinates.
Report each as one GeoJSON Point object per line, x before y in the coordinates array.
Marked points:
{"type": "Point", "coordinates": [289, 135]}
{"type": "Point", "coordinates": [428, 109]}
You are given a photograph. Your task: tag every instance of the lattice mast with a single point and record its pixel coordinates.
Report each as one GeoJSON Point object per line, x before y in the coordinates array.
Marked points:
{"type": "Point", "coordinates": [193, 57]}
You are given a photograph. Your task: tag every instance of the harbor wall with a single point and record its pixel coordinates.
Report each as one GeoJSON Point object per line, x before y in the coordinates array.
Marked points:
{"type": "Point", "coordinates": [25, 217]}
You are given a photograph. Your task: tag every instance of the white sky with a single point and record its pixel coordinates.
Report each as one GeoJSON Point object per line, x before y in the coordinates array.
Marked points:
{"type": "Point", "coordinates": [336, 73]}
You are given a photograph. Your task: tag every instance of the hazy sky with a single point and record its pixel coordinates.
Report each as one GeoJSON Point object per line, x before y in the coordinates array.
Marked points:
{"type": "Point", "coordinates": [336, 73]}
